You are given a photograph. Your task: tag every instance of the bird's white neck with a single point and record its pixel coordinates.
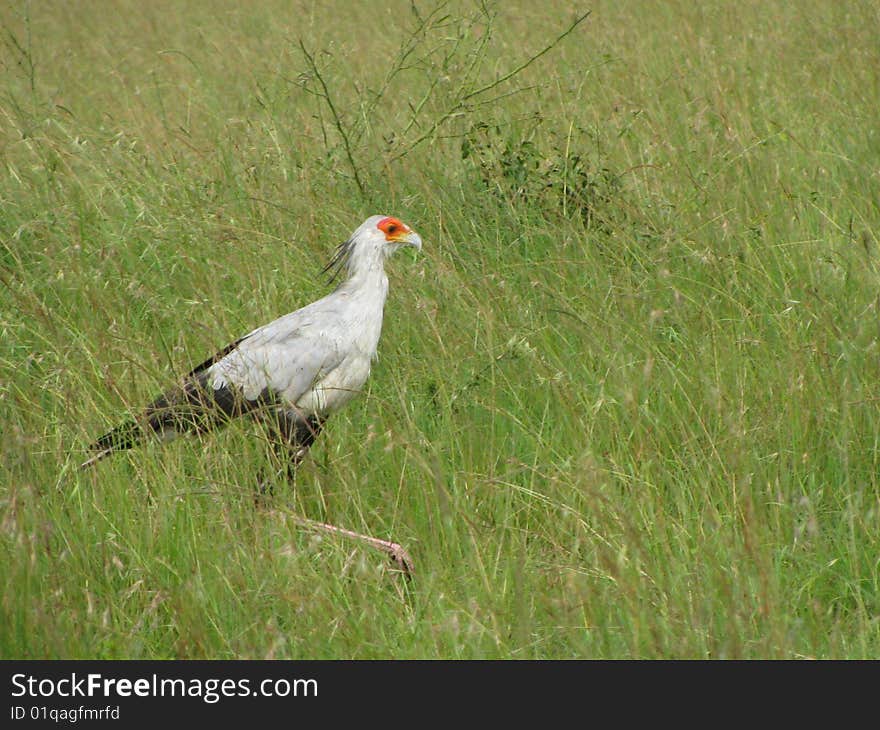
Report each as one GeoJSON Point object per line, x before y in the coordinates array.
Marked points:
{"type": "Point", "coordinates": [365, 269]}
{"type": "Point", "coordinates": [366, 290]}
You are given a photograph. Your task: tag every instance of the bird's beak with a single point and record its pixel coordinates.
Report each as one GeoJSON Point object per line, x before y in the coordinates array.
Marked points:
{"type": "Point", "coordinates": [410, 238]}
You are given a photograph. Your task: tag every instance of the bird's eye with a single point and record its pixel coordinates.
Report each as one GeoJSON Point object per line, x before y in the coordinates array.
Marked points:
{"type": "Point", "coordinates": [391, 227]}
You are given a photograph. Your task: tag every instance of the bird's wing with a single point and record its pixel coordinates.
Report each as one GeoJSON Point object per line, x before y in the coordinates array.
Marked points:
{"type": "Point", "coordinates": [202, 367]}
{"type": "Point", "coordinates": [278, 362]}
{"type": "Point", "coordinates": [282, 360]}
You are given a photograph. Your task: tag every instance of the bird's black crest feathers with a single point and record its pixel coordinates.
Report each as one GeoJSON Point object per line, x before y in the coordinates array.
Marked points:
{"type": "Point", "coordinates": [339, 260]}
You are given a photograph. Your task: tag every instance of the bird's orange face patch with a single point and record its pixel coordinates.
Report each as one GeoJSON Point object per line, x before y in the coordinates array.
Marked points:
{"type": "Point", "coordinates": [392, 228]}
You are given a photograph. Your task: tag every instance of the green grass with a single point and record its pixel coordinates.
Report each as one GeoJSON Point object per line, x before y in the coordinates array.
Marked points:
{"type": "Point", "coordinates": [627, 397]}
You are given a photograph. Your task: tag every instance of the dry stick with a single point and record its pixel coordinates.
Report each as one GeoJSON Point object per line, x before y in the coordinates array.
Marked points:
{"type": "Point", "coordinates": [477, 55]}
{"type": "Point", "coordinates": [461, 102]}
{"type": "Point", "coordinates": [337, 122]}
{"type": "Point", "coordinates": [416, 110]}
{"type": "Point", "coordinates": [398, 554]}
{"type": "Point", "coordinates": [407, 50]}
{"type": "Point", "coordinates": [531, 60]}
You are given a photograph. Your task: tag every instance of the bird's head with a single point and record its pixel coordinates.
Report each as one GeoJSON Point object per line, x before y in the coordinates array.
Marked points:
{"type": "Point", "coordinates": [389, 233]}
{"type": "Point", "coordinates": [373, 241]}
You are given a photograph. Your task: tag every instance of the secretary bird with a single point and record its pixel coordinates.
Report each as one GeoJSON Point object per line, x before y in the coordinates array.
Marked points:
{"type": "Point", "coordinates": [293, 373]}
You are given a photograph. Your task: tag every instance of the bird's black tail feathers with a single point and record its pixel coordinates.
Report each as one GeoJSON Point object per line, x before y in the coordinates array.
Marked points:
{"type": "Point", "coordinates": [194, 406]}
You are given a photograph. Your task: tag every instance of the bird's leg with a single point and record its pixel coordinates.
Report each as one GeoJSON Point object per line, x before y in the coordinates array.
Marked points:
{"type": "Point", "coordinates": [290, 436]}
{"type": "Point", "coordinates": [293, 436]}
{"type": "Point", "coordinates": [398, 555]}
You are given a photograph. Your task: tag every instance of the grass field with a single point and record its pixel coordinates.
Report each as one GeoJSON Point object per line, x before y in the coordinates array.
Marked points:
{"type": "Point", "coordinates": [627, 398]}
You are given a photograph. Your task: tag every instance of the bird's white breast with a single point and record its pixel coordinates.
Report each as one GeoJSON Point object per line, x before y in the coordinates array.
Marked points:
{"type": "Point", "coordinates": [362, 327]}
{"type": "Point", "coordinates": [336, 388]}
